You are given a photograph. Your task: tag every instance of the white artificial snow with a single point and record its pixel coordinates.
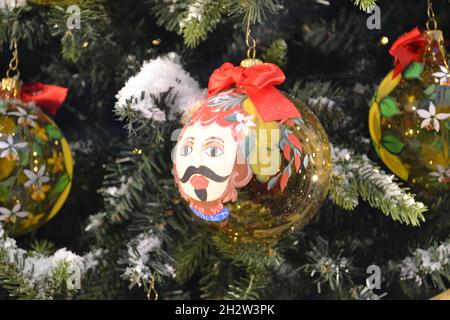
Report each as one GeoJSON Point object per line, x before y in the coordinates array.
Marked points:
{"type": "Point", "coordinates": [322, 101]}
{"type": "Point", "coordinates": [95, 222]}
{"type": "Point", "coordinates": [85, 147]}
{"type": "Point", "coordinates": [139, 250]}
{"type": "Point", "coordinates": [11, 4]}
{"type": "Point", "coordinates": [117, 192]}
{"type": "Point", "coordinates": [138, 255]}
{"type": "Point", "coordinates": [156, 77]}
{"type": "Point", "coordinates": [195, 12]}
{"type": "Point", "coordinates": [39, 270]}
{"type": "Point", "coordinates": [425, 262]}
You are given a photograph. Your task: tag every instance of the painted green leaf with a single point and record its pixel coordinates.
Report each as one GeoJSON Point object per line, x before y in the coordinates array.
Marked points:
{"type": "Point", "coordinates": [437, 144]}
{"type": "Point", "coordinates": [37, 148]}
{"type": "Point", "coordinates": [3, 105]}
{"type": "Point", "coordinates": [392, 143]}
{"type": "Point", "coordinates": [231, 117]}
{"type": "Point", "coordinates": [4, 193]}
{"type": "Point", "coordinates": [414, 71]}
{"type": "Point", "coordinates": [430, 90]}
{"type": "Point", "coordinates": [62, 183]}
{"type": "Point", "coordinates": [447, 124]}
{"type": "Point", "coordinates": [388, 107]}
{"type": "Point", "coordinates": [24, 158]}
{"type": "Point", "coordinates": [53, 132]}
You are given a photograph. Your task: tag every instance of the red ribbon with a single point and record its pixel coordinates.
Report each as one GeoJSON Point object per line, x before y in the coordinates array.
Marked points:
{"type": "Point", "coordinates": [258, 82]}
{"type": "Point", "coordinates": [408, 48]}
{"type": "Point", "coordinates": [46, 96]}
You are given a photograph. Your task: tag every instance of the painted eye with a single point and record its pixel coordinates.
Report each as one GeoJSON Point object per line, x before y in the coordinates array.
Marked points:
{"type": "Point", "coordinates": [186, 150]}
{"type": "Point", "coordinates": [213, 151]}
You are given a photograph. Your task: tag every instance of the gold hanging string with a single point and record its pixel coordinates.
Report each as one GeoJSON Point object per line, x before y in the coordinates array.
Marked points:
{"type": "Point", "coordinates": [249, 40]}
{"type": "Point", "coordinates": [151, 290]}
{"type": "Point", "coordinates": [431, 17]}
{"type": "Point", "coordinates": [14, 63]}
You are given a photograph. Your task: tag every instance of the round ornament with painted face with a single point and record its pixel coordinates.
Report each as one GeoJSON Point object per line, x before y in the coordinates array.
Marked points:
{"type": "Point", "coordinates": [256, 172]}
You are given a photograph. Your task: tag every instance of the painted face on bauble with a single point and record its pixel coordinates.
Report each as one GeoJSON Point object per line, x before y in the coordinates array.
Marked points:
{"type": "Point", "coordinates": [205, 157]}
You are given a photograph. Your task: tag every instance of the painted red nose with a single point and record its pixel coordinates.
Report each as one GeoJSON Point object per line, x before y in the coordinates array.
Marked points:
{"type": "Point", "coordinates": [199, 182]}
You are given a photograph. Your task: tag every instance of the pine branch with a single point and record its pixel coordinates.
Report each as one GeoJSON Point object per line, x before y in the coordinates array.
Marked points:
{"type": "Point", "coordinates": [197, 18]}
{"type": "Point", "coordinates": [353, 174]}
{"type": "Point", "coordinates": [426, 267]}
{"type": "Point", "coordinates": [256, 256]}
{"type": "Point", "coordinates": [276, 53]}
{"type": "Point", "coordinates": [328, 268]}
{"type": "Point", "coordinates": [192, 255]}
{"type": "Point", "coordinates": [248, 287]}
{"type": "Point", "coordinates": [78, 41]}
{"type": "Point", "coordinates": [364, 4]}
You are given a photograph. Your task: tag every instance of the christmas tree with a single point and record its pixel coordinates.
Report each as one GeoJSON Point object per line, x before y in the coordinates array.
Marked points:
{"type": "Point", "coordinates": [132, 69]}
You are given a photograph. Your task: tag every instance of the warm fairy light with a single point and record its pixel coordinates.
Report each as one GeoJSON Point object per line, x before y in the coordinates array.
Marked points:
{"type": "Point", "coordinates": [34, 153]}
{"type": "Point", "coordinates": [85, 44]}
{"type": "Point", "coordinates": [411, 131]}
{"type": "Point", "coordinates": [315, 178]}
{"type": "Point", "coordinates": [384, 40]}
{"type": "Point", "coordinates": [156, 42]}
{"type": "Point", "coordinates": [35, 169]}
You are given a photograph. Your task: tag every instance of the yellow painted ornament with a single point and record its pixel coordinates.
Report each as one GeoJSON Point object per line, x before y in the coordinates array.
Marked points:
{"type": "Point", "coordinates": [35, 167]}
{"type": "Point", "coordinates": [409, 117]}
{"type": "Point", "coordinates": [251, 161]}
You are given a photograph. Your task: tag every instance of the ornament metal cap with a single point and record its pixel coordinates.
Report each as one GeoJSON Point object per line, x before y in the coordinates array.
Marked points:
{"type": "Point", "coordinates": [247, 63]}
{"type": "Point", "coordinates": [10, 88]}
{"type": "Point", "coordinates": [434, 35]}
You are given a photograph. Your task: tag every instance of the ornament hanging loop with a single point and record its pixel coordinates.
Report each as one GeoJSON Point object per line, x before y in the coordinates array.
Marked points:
{"type": "Point", "coordinates": [152, 294]}
{"type": "Point", "coordinates": [249, 40]}
{"type": "Point", "coordinates": [13, 70]}
{"type": "Point", "coordinates": [432, 22]}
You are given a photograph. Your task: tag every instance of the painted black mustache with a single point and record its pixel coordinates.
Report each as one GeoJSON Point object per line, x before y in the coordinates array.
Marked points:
{"type": "Point", "coordinates": [204, 171]}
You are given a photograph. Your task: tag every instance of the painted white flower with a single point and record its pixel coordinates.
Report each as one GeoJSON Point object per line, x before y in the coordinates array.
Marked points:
{"type": "Point", "coordinates": [24, 117]}
{"type": "Point", "coordinates": [443, 76]}
{"type": "Point", "coordinates": [245, 122]}
{"type": "Point", "coordinates": [431, 119]}
{"type": "Point", "coordinates": [9, 148]}
{"type": "Point", "coordinates": [37, 179]}
{"type": "Point", "coordinates": [442, 174]}
{"type": "Point", "coordinates": [12, 214]}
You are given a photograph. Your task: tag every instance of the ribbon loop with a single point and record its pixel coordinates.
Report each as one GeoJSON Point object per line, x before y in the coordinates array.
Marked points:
{"type": "Point", "coordinates": [408, 48]}
{"type": "Point", "coordinates": [46, 96]}
{"type": "Point", "coordinates": [258, 82]}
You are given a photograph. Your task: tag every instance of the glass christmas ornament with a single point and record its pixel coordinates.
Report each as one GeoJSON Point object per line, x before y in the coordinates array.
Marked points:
{"type": "Point", "coordinates": [35, 167]}
{"type": "Point", "coordinates": [409, 117]}
{"type": "Point", "coordinates": [251, 161]}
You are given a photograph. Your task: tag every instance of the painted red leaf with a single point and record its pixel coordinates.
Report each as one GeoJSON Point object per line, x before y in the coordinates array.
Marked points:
{"type": "Point", "coordinates": [297, 161]}
{"type": "Point", "coordinates": [290, 123]}
{"type": "Point", "coordinates": [293, 139]}
{"type": "Point", "coordinates": [284, 180]}
{"type": "Point", "coordinates": [287, 152]}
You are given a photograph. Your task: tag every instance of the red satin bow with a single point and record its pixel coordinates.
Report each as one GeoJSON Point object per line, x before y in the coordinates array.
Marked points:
{"type": "Point", "coordinates": [258, 82]}
{"type": "Point", "coordinates": [46, 96]}
{"type": "Point", "coordinates": [408, 48]}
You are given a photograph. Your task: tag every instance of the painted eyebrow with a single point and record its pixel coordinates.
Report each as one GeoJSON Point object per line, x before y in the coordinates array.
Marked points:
{"type": "Point", "coordinates": [214, 138]}
{"type": "Point", "coordinates": [189, 138]}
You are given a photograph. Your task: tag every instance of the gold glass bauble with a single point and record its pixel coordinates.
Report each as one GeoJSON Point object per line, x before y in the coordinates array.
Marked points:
{"type": "Point", "coordinates": [409, 118]}
{"type": "Point", "coordinates": [252, 180]}
{"type": "Point", "coordinates": [35, 167]}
